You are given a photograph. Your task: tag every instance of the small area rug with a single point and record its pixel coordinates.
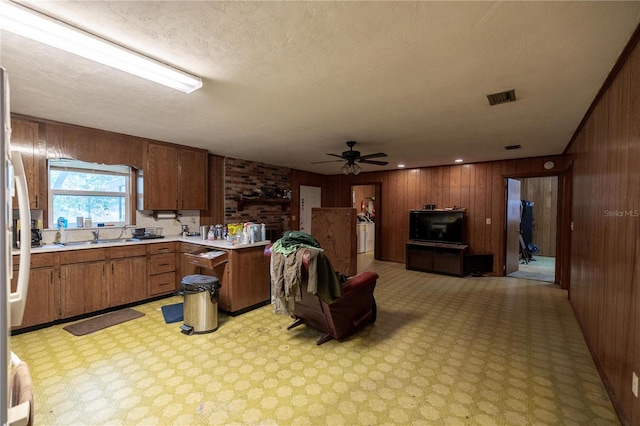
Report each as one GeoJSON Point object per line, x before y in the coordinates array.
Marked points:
{"type": "Point", "coordinates": [172, 313]}
{"type": "Point", "coordinates": [103, 321]}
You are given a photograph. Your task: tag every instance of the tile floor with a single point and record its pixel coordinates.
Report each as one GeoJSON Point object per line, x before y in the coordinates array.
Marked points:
{"type": "Point", "coordinates": [444, 350]}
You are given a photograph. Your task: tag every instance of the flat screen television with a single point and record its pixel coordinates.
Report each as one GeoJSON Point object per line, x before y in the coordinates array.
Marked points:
{"type": "Point", "coordinates": [437, 226]}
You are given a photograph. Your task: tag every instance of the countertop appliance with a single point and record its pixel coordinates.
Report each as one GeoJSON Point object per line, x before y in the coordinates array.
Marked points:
{"type": "Point", "coordinates": [36, 233]}
{"type": "Point", "coordinates": [12, 180]}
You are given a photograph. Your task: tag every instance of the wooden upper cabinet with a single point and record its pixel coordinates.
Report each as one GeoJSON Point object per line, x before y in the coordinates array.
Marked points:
{"type": "Point", "coordinates": [174, 179]}
{"type": "Point", "coordinates": [161, 178]}
{"type": "Point", "coordinates": [192, 178]}
{"type": "Point", "coordinates": [24, 138]}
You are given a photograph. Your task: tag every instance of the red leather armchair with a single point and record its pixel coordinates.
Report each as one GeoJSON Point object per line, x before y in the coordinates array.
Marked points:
{"type": "Point", "coordinates": [354, 310]}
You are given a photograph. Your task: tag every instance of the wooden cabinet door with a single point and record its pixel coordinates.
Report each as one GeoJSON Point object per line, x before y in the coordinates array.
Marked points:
{"type": "Point", "coordinates": [82, 288]}
{"type": "Point", "coordinates": [247, 283]}
{"type": "Point", "coordinates": [24, 136]}
{"type": "Point", "coordinates": [41, 306]}
{"type": "Point", "coordinates": [192, 193]}
{"type": "Point", "coordinates": [127, 280]}
{"type": "Point", "coordinates": [161, 178]}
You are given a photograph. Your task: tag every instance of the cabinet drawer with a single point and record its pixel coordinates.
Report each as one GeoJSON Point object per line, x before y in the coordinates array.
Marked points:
{"type": "Point", "coordinates": [37, 260]}
{"type": "Point", "coordinates": [159, 248]}
{"type": "Point", "coordinates": [161, 263]}
{"type": "Point", "coordinates": [129, 251]}
{"type": "Point", "coordinates": [162, 283]}
{"type": "Point", "coordinates": [189, 248]}
{"type": "Point", "coordinates": [207, 258]}
{"type": "Point", "coordinates": [78, 256]}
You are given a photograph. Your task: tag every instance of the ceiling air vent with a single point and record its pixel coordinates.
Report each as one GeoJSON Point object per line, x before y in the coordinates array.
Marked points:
{"type": "Point", "coordinates": [502, 97]}
{"type": "Point", "coordinates": [510, 147]}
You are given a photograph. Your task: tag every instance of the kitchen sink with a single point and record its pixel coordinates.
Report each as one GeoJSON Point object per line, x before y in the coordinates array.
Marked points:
{"type": "Point", "coordinates": [77, 243]}
{"type": "Point", "coordinates": [118, 240]}
{"type": "Point", "coordinates": [100, 241]}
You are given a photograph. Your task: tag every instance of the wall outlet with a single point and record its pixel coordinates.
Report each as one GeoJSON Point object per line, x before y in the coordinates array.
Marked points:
{"type": "Point", "coordinates": [634, 384]}
{"type": "Point", "coordinates": [488, 221]}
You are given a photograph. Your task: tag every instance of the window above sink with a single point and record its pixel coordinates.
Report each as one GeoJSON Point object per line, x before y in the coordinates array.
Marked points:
{"type": "Point", "coordinates": [89, 190]}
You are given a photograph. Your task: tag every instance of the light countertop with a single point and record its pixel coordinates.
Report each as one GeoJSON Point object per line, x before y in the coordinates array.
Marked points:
{"type": "Point", "coordinates": [217, 244]}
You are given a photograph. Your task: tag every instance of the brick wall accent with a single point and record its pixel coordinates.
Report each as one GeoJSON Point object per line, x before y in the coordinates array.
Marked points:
{"type": "Point", "coordinates": [244, 177]}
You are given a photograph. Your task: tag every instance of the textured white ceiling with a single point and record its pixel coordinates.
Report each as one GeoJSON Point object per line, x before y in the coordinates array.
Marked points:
{"type": "Point", "coordinates": [287, 82]}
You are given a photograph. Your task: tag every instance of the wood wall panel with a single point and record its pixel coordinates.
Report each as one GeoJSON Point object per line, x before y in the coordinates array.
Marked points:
{"type": "Point", "coordinates": [361, 193]}
{"type": "Point", "coordinates": [215, 213]}
{"type": "Point", "coordinates": [544, 194]}
{"type": "Point", "coordinates": [93, 145]}
{"type": "Point", "coordinates": [477, 187]}
{"type": "Point", "coordinates": [604, 244]}
{"type": "Point", "coordinates": [633, 159]}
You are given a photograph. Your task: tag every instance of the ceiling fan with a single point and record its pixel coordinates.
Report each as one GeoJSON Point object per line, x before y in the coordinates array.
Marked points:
{"type": "Point", "coordinates": [352, 157]}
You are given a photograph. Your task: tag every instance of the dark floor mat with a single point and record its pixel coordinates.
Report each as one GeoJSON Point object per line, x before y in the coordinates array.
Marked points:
{"type": "Point", "coordinates": [103, 321]}
{"type": "Point", "coordinates": [172, 313]}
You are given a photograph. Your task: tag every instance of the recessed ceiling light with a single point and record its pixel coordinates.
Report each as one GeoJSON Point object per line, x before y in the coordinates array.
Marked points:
{"type": "Point", "coordinates": [459, 160]}
{"type": "Point", "coordinates": [400, 166]}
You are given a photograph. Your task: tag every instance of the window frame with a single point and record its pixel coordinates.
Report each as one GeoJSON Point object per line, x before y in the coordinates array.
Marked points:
{"type": "Point", "coordinates": [90, 168]}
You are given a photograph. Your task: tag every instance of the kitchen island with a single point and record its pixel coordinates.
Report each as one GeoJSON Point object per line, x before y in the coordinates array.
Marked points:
{"type": "Point", "coordinates": [243, 271]}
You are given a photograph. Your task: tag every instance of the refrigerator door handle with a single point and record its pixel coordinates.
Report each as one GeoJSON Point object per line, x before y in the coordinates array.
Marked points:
{"type": "Point", "coordinates": [18, 299]}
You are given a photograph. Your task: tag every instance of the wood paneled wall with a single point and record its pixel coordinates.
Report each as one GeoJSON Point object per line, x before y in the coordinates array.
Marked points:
{"type": "Point", "coordinates": [605, 293]}
{"type": "Point", "coordinates": [544, 194]}
{"type": "Point", "coordinates": [477, 187]}
{"type": "Point", "coordinates": [215, 213]}
{"type": "Point", "coordinates": [361, 193]}
{"type": "Point", "coordinates": [94, 146]}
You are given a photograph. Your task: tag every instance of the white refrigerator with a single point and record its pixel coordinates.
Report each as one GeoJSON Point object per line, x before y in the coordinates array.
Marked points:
{"type": "Point", "coordinates": [12, 304]}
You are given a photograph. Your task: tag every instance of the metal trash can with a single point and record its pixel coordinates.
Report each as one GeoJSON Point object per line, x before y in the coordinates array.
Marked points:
{"type": "Point", "coordinates": [200, 303]}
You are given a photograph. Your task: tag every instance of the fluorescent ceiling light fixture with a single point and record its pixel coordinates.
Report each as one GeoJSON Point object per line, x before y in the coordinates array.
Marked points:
{"type": "Point", "coordinates": [458, 160]}
{"type": "Point", "coordinates": [400, 166]}
{"type": "Point", "coordinates": [35, 26]}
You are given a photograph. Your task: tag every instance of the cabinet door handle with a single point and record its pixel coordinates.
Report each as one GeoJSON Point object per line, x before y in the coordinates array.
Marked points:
{"type": "Point", "coordinates": [163, 264]}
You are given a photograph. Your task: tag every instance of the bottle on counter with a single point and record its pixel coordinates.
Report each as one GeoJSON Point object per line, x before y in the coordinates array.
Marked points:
{"type": "Point", "coordinates": [245, 234]}
{"type": "Point", "coordinates": [88, 223]}
{"type": "Point", "coordinates": [212, 233]}
{"type": "Point", "coordinates": [263, 232]}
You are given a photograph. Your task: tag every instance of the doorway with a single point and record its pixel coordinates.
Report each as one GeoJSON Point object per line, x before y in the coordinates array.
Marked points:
{"type": "Point", "coordinates": [537, 231]}
{"type": "Point", "coordinates": [365, 199]}
{"type": "Point", "coordinates": [310, 197]}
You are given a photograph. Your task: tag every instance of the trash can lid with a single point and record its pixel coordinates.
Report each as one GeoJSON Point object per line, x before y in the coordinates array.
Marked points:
{"type": "Point", "coordinates": [199, 279]}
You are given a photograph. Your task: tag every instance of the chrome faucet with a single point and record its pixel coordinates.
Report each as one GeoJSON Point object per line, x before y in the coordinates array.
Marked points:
{"type": "Point", "coordinates": [96, 234]}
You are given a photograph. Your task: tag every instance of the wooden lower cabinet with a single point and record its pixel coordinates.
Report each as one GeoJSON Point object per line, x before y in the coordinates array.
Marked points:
{"type": "Point", "coordinates": [82, 288]}
{"type": "Point", "coordinates": [76, 282]}
{"type": "Point", "coordinates": [162, 268]}
{"type": "Point", "coordinates": [244, 278]}
{"type": "Point", "coordinates": [127, 280]}
{"type": "Point", "coordinates": [44, 291]}
{"type": "Point", "coordinates": [185, 266]}
{"type": "Point", "coordinates": [436, 257]}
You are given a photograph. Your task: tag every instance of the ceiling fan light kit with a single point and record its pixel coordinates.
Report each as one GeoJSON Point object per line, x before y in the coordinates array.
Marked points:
{"type": "Point", "coordinates": [351, 157]}
{"type": "Point", "coordinates": [41, 28]}
{"type": "Point", "coordinates": [351, 169]}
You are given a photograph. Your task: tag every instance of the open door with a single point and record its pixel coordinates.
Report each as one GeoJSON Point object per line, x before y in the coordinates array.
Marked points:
{"type": "Point", "coordinates": [310, 198]}
{"type": "Point", "coordinates": [512, 246]}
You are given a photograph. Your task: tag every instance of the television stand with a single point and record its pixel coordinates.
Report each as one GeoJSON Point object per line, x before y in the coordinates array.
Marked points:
{"type": "Point", "coordinates": [436, 257]}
